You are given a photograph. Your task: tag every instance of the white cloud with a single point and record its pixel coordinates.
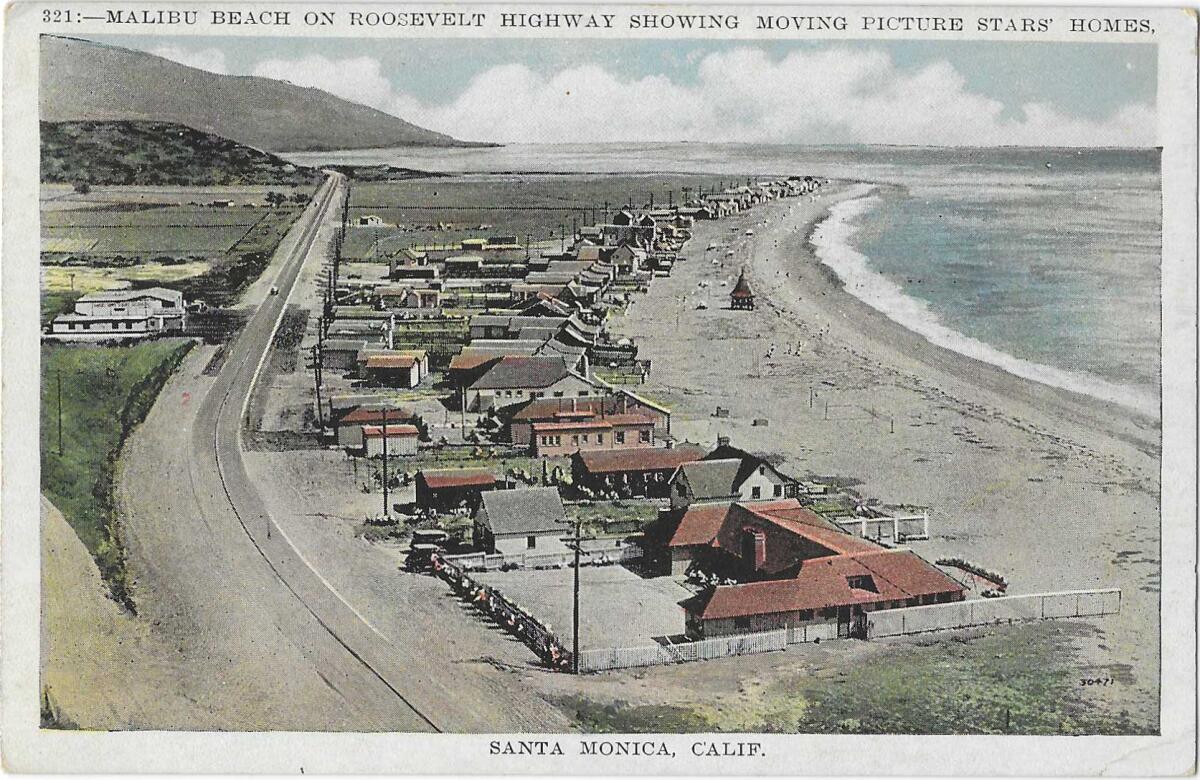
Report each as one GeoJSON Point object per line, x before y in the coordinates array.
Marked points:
{"type": "Point", "coordinates": [743, 95]}
{"type": "Point", "coordinates": [359, 79]}
{"type": "Point", "coordinates": [212, 60]}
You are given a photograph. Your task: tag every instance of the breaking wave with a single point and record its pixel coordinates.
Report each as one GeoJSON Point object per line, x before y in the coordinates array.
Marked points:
{"type": "Point", "coordinates": [831, 239]}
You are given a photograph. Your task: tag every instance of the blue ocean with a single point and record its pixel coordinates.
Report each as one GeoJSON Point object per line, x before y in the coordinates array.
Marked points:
{"type": "Point", "coordinates": [1045, 262]}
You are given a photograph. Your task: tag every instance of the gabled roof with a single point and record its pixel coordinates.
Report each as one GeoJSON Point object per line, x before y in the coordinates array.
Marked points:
{"type": "Point", "coordinates": [710, 479]}
{"type": "Point", "coordinates": [635, 460]}
{"type": "Point", "coordinates": [523, 512]}
{"type": "Point", "coordinates": [603, 423]}
{"type": "Point", "coordinates": [365, 415]}
{"type": "Point", "coordinates": [894, 575]}
{"type": "Point", "coordinates": [450, 478]}
{"type": "Point", "coordinates": [376, 431]}
{"type": "Point", "coordinates": [516, 371]}
{"type": "Point", "coordinates": [390, 361]}
{"type": "Point", "coordinates": [700, 523]}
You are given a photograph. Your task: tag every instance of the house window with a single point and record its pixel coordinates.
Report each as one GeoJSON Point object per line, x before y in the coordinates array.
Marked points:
{"type": "Point", "coordinates": [778, 491]}
{"type": "Point", "coordinates": [575, 438]}
{"type": "Point", "coordinates": [599, 438]}
{"type": "Point", "coordinates": [741, 623]}
{"type": "Point", "coordinates": [535, 395]}
{"type": "Point", "coordinates": [806, 614]}
{"type": "Point", "coordinates": [558, 393]}
{"type": "Point", "coordinates": [520, 393]}
{"type": "Point", "coordinates": [585, 438]}
{"type": "Point", "coordinates": [644, 436]}
{"type": "Point", "coordinates": [620, 437]}
{"type": "Point", "coordinates": [756, 492]}
{"type": "Point", "coordinates": [530, 542]}
{"type": "Point", "coordinates": [583, 393]}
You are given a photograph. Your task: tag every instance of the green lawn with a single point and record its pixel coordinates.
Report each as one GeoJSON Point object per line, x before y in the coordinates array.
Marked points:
{"type": "Point", "coordinates": [1020, 679]}
{"type": "Point", "coordinates": [106, 391]}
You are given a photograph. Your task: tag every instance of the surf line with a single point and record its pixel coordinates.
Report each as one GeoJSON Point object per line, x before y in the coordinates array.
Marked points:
{"type": "Point", "coordinates": [831, 241]}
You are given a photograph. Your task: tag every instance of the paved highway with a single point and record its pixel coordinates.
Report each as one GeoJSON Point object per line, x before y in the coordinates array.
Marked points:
{"type": "Point", "coordinates": [264, 641]}
{"type": "Point", "coordinates": [218, 434]}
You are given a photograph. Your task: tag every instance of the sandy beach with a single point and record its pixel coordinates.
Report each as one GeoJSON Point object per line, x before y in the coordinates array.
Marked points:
{"type": "Point", "coordinates": [1052, 489]}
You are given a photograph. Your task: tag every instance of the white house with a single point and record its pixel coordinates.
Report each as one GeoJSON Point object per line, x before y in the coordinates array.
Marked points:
{"type": "Point", "coordinates": [514, 522]}
{"type": "Point", "coordinates": [122, 314]}
{"type": "Point", "coordinates": [401, 440]}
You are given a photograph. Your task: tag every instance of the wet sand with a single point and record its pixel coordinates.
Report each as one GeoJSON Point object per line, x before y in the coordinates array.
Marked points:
{"type": "Point", "coordinates": [1052, 489]}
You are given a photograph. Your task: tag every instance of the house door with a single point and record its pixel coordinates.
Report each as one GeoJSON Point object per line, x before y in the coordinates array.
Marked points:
{"type": "Point", "coordinates": [859, 628]}
{"type": "Point", "coordinates": [843, 622]}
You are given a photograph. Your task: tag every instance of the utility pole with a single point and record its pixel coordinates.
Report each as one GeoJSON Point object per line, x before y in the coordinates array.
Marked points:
{"type": "Point", "coordinates": [575, 607]}
{"type": "Point", "coordinates": [386, 514]}
{"type": "Point", "coordinates": [58, 382]}
{"type": "Point", "coordinates": [316, 356]}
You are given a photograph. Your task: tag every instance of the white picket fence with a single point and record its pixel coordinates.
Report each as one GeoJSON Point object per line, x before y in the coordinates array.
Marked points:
{"type": "Point", "coordinates": [703, 650]}
{"type": "Point", "coordinates": [594, 556]}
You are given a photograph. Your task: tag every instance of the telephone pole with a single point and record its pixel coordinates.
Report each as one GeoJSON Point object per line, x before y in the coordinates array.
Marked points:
{"type": "Point", "coordinates": [316, 355]}
{"type": "Point", "coordinates": [575, 607]}
{"type": "Point", "coordinates": [386, 514]}
{"type": "Point", "coordinates": [58, 382]}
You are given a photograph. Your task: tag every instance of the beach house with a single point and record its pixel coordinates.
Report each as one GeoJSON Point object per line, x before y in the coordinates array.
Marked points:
{"type": "Point", "coordinates": [122, 314]}
{"type": "Point", "coordinates": [513, 522]}
{"type": "Point", "coordinates": [727, 479]}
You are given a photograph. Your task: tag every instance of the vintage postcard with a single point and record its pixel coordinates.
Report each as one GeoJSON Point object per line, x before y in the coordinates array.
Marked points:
{"type": "Point", "coordinates": [575, 389]}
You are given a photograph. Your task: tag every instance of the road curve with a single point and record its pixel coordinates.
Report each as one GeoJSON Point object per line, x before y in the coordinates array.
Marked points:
{"type": "Point", "coordinates": [217, 442]}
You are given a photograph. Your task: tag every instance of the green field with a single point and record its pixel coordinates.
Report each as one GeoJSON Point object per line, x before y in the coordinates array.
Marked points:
{"type": "Point", "coordinates": [438, 211]}
{"type": "Point", "coordinates": [106, 391]}
{"type": "Point", "coordinates": [1021, 679]}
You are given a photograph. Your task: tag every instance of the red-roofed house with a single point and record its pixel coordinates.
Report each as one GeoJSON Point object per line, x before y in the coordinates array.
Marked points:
{"type": "Point", "coordinates": [349, 425]}
{"type": "Point", "coordinates": [444, 489]}
{"type": "Point", "coordinates": [613, 432]}
{"type": "Point", "coordinates": [631, 472]}
{"type": "Point", "coordinates": [563, 409]}
{"type": "Point", "coordinates": [838, 591]}
{"type": "Point", "coordinates": [401, 440]}
{"type": "Point", "coordinates": [398, 368]}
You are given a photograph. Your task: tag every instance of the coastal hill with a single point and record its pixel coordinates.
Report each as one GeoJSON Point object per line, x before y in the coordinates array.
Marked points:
{"type": "Point", "coordinates": [157, 153]}
{"type": "Point", "coordinates": [82, 80]}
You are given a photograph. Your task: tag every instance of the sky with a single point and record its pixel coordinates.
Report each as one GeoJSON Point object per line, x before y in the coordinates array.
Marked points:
{"type": "Point", "coordinates": [877, 92]}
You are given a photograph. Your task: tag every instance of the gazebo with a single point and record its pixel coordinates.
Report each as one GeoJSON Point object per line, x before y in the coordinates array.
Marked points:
{"type": "Point", "coordinates": [742, 296]}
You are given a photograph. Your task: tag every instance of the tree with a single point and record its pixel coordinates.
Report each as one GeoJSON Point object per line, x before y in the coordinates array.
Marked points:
{"type": "Point", "coordinates": [82, 187]}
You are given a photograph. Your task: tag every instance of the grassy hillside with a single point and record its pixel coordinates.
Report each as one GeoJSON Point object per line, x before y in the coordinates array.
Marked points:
{"type": "Point", "coordinates": [106, 391]}
{"type": "Point", "coordinates": [150, 153]}
{"type": "Point", "coordinates": [81, 80]}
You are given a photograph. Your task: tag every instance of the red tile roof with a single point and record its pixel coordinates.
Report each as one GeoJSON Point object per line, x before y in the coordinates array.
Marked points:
{"type": "Point", "coordinates": [376, 431]}
{"type": "Point", "coordinates": [825, 582]}
{"type": "Point", "coordinates": [549, 408]}
{"type": "Point", "coordinates": [391, 361]}
{"type": "Point", "coordinates": [701, 522]}
{"type": "Point", "coordinates": [639, 459]}
{"type": "Point", "coordinates": [466, 362]}
{"type": "Point", "coordinates": [571, 425]}
{"type": "Point", "coordinates": [699, 525]}
{"type": "Point", "coordinates": [447, 478]}
{"type": "Point", "coordinates": [362, 414]}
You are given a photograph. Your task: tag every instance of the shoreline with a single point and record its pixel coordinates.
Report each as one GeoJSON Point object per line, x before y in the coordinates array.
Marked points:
{"type": "Point", "coordinates": [817, 286]}
{"type": "Point", "coordinates": [1052, 489]}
